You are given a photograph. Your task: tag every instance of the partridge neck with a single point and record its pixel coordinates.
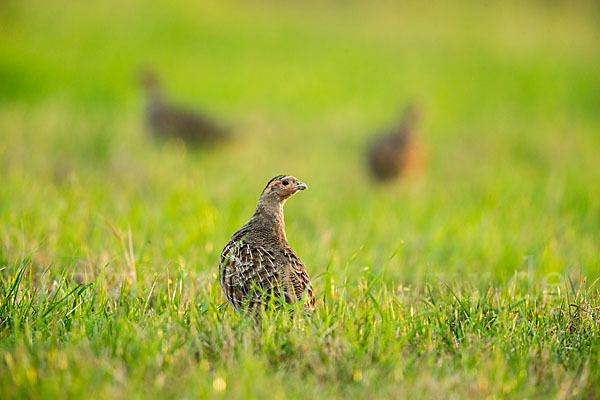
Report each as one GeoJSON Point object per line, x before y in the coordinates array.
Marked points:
{"type": "Point", "coordinates": [268, 217]}
{"type": "Point", "coordinates": [155, 98]}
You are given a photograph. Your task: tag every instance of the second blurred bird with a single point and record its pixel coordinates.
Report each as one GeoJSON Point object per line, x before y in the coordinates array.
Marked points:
{"type": "Point", "coordinates": [167, 121]}
{"type": "Point", "coordinates": [397, 151]}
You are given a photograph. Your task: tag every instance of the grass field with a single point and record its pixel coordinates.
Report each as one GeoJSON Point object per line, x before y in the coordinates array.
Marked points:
{"type": "Point", "coordinates": [475, 279]}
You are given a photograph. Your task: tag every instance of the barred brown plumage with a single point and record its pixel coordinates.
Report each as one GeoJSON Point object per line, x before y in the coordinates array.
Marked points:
{"type": "Point", "coordinates": [257, 264]}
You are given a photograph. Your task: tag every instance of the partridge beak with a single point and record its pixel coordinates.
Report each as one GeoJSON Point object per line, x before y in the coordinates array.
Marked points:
{"type": "Point", "coordinates": [300, 186]}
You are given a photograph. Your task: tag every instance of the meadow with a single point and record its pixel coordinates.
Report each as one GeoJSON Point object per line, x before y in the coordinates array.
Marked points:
{"type": "Point", "coordinates": [477, 278]}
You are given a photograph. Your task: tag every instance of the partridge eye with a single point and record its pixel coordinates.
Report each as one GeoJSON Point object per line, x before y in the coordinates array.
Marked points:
{"type": "Point", "coordinates": [285, 183]}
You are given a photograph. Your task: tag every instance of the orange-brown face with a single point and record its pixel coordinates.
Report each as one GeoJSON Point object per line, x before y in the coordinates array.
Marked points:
{"type": "Point", "coordinates": [284, 186]}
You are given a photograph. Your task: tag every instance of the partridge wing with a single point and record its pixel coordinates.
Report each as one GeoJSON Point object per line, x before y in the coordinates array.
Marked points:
{"type": "Point", "coordinates": [297, 281]}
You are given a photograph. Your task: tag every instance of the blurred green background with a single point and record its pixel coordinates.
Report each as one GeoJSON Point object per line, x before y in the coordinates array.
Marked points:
{"type": "Point", "coordinates": [510, 93]}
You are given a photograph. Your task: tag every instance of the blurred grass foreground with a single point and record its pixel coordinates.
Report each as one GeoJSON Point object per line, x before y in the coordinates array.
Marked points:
{"type": "Point", "coordinates": [475, 278]}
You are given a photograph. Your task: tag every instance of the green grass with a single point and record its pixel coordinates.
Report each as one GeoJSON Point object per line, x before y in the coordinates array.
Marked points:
{"type": "Point", "coordinates": [476, 279]}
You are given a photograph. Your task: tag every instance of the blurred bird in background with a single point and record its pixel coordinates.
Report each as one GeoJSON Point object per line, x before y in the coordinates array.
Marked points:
{"type": "Point", "coordinates": [397, 152]}
{"type": "Point", "coordinates": [167, 121]}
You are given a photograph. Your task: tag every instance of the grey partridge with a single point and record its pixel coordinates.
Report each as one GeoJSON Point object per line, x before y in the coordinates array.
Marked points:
{"type": "Point", "coordinates": [257, 263]}
{"type": "Point", "coordinates": [166, 121]}
{"type": "Point", "coordinates": [397, 152]}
